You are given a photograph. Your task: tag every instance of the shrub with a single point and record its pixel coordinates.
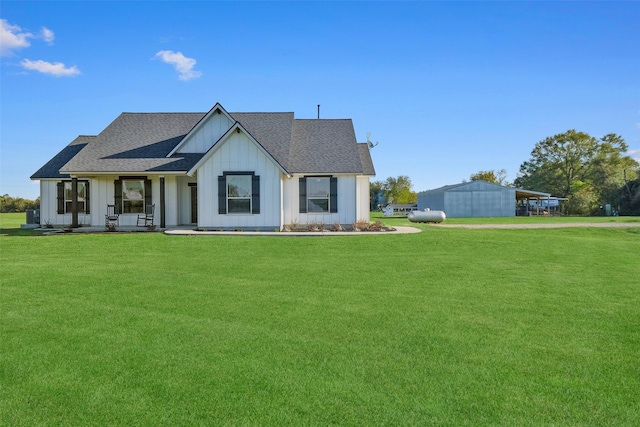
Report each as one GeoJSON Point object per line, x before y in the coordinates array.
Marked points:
{"type": "Point", "coordinates": [315, 226]}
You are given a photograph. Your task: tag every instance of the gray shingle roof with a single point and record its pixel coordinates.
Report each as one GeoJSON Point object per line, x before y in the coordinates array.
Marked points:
{"type": "Point", "coordinates": [324, 146]}
{"type": "Point", "coordinates": [365, 159]}
{"type": "Point", "coordinates": [51, 169]}
{"type": "Point", "coordinates": [140, 142]}
{"type": "Point", "coordinates": [272, 130]}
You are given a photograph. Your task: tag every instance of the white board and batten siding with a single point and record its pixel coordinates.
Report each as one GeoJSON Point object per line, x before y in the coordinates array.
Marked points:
{"type": "Point", "coordinates": [49, 206]}
{"type": "Point", "coordinates": [362, 198]}
{"type": "Point", "coordinates": [239, 154]}
{"type": "Point", "coordinates": [210, 130]}
{"type": "Point", "coordinates": [348, 210]}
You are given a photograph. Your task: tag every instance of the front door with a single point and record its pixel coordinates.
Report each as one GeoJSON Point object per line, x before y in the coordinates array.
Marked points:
{"type": "Point", "coordinates": [194, 203]}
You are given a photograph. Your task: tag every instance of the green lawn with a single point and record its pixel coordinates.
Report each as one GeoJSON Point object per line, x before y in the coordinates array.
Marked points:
{"type": "Point", "coordinates": [446, 327]}
{"type": "Point", "coordinates": [12, 220]}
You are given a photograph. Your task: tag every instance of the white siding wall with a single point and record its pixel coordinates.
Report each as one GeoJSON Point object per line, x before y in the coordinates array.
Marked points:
{"type": "Point", "coordinates": [347, 211]}
{"type": "Point", "coordinates": [239, 154]}
{"type": "Point", "coordinates": [49, 206]}
{"type": "Point", "coordinates": [362, 204]}
{"type": "Point", "coordinates": [210, 131]}
{"type": "Point", "coordinates": [171, 206]}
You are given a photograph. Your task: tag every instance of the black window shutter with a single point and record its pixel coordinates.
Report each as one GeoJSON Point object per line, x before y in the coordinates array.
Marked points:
{"type": "Point", "coordinates": [60, 188]}
{"type": "Point", "coordinates": [302, 184]}
{"type": "Point", "coordinates": [255, 194]}
{"type": "Point", "coordinates": [117, 195]}
{"type": "Point", "coordinates": [333, 195]}
{"type": "Point", "coordinates": [222, 194]}
{"type": "Point", "coordinates": [86, 198]}
{"type": "Point", "coordinates": [147, 193]}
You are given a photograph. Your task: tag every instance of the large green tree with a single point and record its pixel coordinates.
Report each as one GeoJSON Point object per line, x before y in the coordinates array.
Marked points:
{"type": "Point", "coordinates": [376, 194]}
{"type": "Point", "coordinates": [392, 190]}
{"type": "Point", "coordinates": [587, 170]}
{"type": "Point", "coordinates": [628, 198]}
{"type": "Point", "coordinates": [492, 176]}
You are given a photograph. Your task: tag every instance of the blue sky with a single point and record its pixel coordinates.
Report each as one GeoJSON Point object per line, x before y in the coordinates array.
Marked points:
{"type": "Point", "coordinates": [446, 88]}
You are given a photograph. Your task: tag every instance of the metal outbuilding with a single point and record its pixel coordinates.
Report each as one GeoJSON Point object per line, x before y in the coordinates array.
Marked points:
{"type": "Point", "coordinates": [476, 199]}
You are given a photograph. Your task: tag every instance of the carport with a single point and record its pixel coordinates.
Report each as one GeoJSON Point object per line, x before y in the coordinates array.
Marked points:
{"type": "Point", "coordinates": [523, 207]}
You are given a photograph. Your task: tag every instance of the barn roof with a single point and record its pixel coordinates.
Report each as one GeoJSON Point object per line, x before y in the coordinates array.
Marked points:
{"type": "Point", "coordinates": [479, 185]}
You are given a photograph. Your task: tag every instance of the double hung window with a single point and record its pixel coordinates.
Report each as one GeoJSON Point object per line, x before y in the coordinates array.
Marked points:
{"type": "Point", "coordinates": [132, 196]}
{"type": "Point", "coordinates": [68, 197]}
{"type": "Point", "coordinates": [65, 197]}
{"type": "Point", "coordinates": [238, 193]}
{"type": "Point", "coordinates": [318, 194]}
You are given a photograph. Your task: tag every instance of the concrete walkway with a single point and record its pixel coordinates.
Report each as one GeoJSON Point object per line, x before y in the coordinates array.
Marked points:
{"type": "Point", "coordinates": [191, 232]}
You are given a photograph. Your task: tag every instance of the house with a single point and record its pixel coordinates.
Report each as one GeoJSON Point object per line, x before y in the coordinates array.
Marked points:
{"type": "Point", "coordinates": [476, 199]}
{"type": "Point", "coordinates": [215, 170]}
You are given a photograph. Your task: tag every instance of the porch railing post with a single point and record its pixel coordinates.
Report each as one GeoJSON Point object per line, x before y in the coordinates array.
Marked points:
{"type": "Point", "coordinates": [162, 208]}
{"type": "Point", "coordinates": [74, 202]}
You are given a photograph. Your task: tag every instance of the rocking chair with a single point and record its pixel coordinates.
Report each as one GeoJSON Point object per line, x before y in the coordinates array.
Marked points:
{"type": "Point", "coordinates": [146, 220]}
{"type": "Point", "coordinates": [112, 218]}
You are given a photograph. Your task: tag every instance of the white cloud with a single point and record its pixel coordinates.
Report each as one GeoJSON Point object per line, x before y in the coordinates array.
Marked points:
{"type": "Point", "coordinates": [57, 69]}
{"type": "Point", "coordinates": [12, 38]}
{"type": "Point", "coordinates": [182, 64]}
{"type": "Point", "coordinates": [47, 35]}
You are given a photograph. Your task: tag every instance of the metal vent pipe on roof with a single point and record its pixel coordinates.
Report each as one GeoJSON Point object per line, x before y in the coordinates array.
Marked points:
{"type": "Point", "coordinates": [318, 110]}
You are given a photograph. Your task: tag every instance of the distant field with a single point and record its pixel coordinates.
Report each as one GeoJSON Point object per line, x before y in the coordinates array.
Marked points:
{"type": "Point", "coordinates": [446, 327]}
{"type": "Point", "coordinates": [12, 220]}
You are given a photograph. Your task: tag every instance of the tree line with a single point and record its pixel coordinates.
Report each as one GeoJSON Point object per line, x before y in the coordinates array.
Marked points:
{"type": "Point", "coordinates": [10, 204]}
{"type": "Point", "coordinates": [590, 172]}
{"type": "Point", "coordinates": [392, 190]}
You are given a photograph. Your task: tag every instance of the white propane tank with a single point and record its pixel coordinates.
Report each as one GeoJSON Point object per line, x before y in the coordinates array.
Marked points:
{"type": "Point", "coordinates": [426, 216]}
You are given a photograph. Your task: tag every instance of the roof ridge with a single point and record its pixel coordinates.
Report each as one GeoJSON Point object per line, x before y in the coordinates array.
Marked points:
{"type": "Point", "coordinates": [261, 112]}
{"type": "Point", "coordinates": [162, 112]}
{"type": "Point", "coordinates": [320, 120]}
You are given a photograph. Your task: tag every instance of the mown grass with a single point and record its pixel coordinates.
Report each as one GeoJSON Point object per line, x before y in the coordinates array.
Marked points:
{"type": "Point", "coordinates": [12, 220]}
{"type": "Point", "coordinates": [446, 327]}
{"type": "Point", "coordinates": [558, 219]}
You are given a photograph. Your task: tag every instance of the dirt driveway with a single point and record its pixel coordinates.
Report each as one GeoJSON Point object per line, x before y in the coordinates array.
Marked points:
{"type": "Point", "coordinates": [555, 225]}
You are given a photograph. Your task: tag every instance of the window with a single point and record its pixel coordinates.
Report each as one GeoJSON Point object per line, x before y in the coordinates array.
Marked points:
{"type": "Point", "coordinates": [133, 196]}
{"type": "Point", "coordinates": [132, 193]}
{"type": "Point", "coordinates": [68, 197]}
{"type": "Point", "coordinates": [65, 197]}
{"type": "Point", "coordinates": [238, 193]}
{"type": "Point", "coordinates": [318, 194]}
